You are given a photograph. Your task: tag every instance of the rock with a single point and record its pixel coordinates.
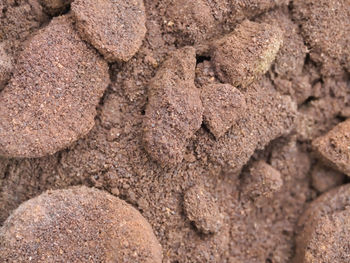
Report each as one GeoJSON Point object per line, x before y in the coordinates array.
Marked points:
{"type": "Point", "coordinates": [54, 7]}
{"type": "Point", "coordinates": [323, 178]}
{"type": "Point", "coordinates": [174, 110]}
{"type": "Point", "coordinates": [325, 26]}
{"type": "Point", "coordinates": [201, 209]}
{"type": "Point", "coordinates": [323, 229]}
{"type": "Point", "coordinates": [51, 99]}
{"type": "Point", "coordinates": [223, 105]}
{"type": "Point", "coordinates": [6, 66]}
{"type": "Point", "coordinates": [334, 147]}
{"type": "Point", "coordinates": [247, 53]}
{"type": "Point", "coordinates": [268, 115]}
{"type": "Point", "coordinates": [115, 28]}
{"type": "Point", "coordinates": [77, 224]}
{"type": "Point", "coordinates": [263, 182]}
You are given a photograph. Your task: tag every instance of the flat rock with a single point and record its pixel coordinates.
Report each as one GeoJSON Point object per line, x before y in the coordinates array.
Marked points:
{"type": "Point", "coordinates": [51, 99]}
{"type": "Point", "coordinates": [223, 105]}
{"type": "Point", "coordinates": [115, 28]}
{"type": "Point", "coordinates": [174, 110]}
{"type": "Point", "coordinates": [334, 147]}
{"type": "Point", "coordinates": [247, 53]}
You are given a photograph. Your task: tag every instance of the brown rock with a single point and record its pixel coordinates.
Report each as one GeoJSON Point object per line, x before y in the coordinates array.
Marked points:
{"type": "Point", "coordinates": [54, 7]}
{"type": "Point", "coordinates": [264, 181]}
{"type": "Point", "coordinates": [323, 229]}
{"type": "Point", "coordinates": [77, 225]}
{"type": "Point", "coordinates": [247, 53]}
{"type": "Point", "coordinates": [334, 147]}
{"type": "Point", "coordinates": [201, 209]}
{"type": "Point", "coordinates": [115, 28]}
{"type": "Point", "coordinates": [223, 105]}
{"type": "Point", "coordinates": [174, 110]}
{"type": "Point", "coordinates": [325, 25]}
{"type": "Point", "coordinates": [193, 20]}
{"type": "Point", "coordinates": [6, 66]}
{"type": "Point", "coordinates": [323, 178]}
{"type": "Point", "coordinates": [268, 115]}
{"type": "Point", "coordinates": [50, 100]}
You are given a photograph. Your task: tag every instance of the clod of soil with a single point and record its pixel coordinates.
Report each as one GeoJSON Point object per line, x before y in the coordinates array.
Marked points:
{"type": "Point", "coordinates": [247, 53]}
{"type": "Point", "coordinates": [223, 105]}
{"type": "Point", "coordinates": [79, 224]}
{"type": "Point", "coordinates": [324, 229]}
{"type": "Point", "coordinates": [325, 25]}
{"type": "Point", "coordinates": [334, 147]}
{"type": "Point", "coordinates": [54, 7]}
{"type": "Point", "coordinates": [6, 66]}
{"type": "Point", "coordinates": [264, 181]}
{"type": "Point", "coordinates": [174, 110]}
{"type": "Point", "coordinates": [51, 98]}
{"type": "Point", "coordinates": [201, 209]}
{"type": "Point", "coordinates": [115, 28]}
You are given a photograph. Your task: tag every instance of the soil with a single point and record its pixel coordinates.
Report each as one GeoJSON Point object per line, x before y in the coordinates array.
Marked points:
{"type": "Point", "coordinates": [224, 126]}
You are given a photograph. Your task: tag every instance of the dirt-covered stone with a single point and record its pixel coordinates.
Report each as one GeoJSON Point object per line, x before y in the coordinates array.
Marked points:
{"type": "Point", "coordinates": [334, 147]}
{"type": "Point", "coordinates": [6, 66]}
{"type": "Point", "coordinates": [325, 26]}
{"type": "Point", "coordinates": [174, 110]}
{"type": "Point", "coordinates": [77, 225]}
{"type": "Point", "coordinates": [247, 53]}
{"type": "Point", "coordinates": [51, 99]}
{"type": "Point", "coordinates": [324, 178]}
{"type": "Point", "coordinates": [323, 229]}
{"type": "Point", "coordinates": [115, 28]}
{"type": "Point", "coordinates": [264, 181]}
{"type": "Point", "coordinates": [223, 105]}
{"type": "Point", "coordinates": [201, 209]}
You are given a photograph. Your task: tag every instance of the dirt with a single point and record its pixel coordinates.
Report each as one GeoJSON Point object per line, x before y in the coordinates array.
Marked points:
{"type": "Point", "coordinates": [224, 125]}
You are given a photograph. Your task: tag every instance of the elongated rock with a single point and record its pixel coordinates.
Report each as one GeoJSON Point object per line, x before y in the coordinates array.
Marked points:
{"type": "Point", "coordinates": [115, 28]}
{"type": "Point", "coordinates": [174, 110]}
{"type": "Point", "coordinates": [50, 101]}
{"type": "Point", "coordinates": [247, 53]}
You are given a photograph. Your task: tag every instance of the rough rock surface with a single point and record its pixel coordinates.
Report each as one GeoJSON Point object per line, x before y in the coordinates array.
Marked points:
{"type": "Point", "coordinates": [115, 28]}
{"type": "Point", "coordinates": [174, 110]}
{"type": "Point", "coordinates": [325, 25]}
{"type": "Point", "coordinates": [323, 234]}
{"type": "Point", "coordinates": [77, 225]}
{"type": "Point", "coordinates": [201, 209]}
{"type": "Point", "coordinates": [51, 98]}
{"type": "Point", "coordinates": [247, 53]}
{"type": "Point", "coordinates": [223, 105]}
{"type": "Point", "coordinates": [334, 147]}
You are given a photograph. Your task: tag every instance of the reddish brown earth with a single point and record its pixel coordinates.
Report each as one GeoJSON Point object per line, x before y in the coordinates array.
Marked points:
{"type": "Point", "coordinates": [221, 125]}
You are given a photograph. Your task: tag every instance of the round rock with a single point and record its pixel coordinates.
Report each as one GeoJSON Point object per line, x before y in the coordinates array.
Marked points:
{"type": "Point", "coordinates": [51, 99]}
{"type": "Point", "coordinates": [115, 28]}
{"type": "Point", "coordinates": [79, 224]}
